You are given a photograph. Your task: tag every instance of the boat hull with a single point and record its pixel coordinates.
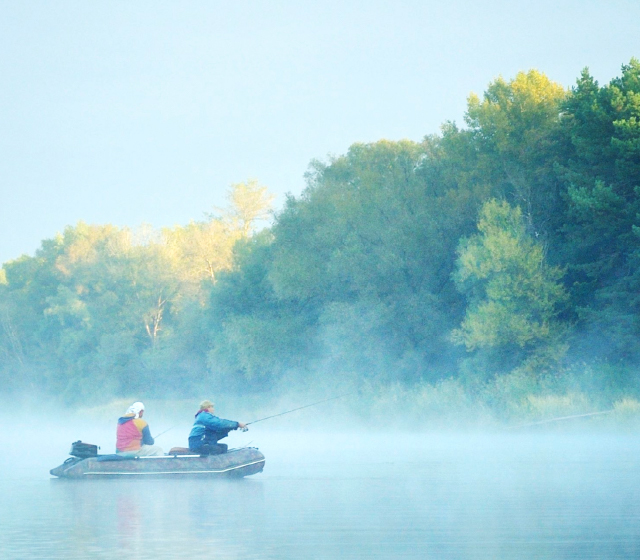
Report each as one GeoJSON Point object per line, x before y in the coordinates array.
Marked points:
{"type": "Point", "coordinates": [237, 463]}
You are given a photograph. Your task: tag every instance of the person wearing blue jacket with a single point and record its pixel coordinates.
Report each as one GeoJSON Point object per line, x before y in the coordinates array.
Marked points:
{"type": "Point", "coordinates": [209, 429]}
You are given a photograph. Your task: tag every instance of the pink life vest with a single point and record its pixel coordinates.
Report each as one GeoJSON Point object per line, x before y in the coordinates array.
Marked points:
{"type": "Point", "coordinates": [129, 435]}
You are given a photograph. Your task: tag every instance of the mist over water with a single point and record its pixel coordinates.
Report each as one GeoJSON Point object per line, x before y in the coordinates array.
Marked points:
{"type": "Point", "coordinates": [332, 494]}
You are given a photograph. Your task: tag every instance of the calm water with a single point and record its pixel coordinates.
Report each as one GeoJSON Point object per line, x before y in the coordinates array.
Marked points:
{"type": "Point", "coordinates": [343, 496]}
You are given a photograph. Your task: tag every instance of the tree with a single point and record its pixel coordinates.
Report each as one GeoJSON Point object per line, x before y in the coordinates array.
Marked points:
{"type": "Point", "coordinates": [514, 296]}
{"type": "Point", "coordinates": [249, 203]}
{"type": "Point", "coordinates": [255, 338]}
{"type": "Point", "coordinates": [601, 174]}
{"type": "Point", "coordinates": [201, 250]}
{"type": "Point", "coordinates": [515, 126]}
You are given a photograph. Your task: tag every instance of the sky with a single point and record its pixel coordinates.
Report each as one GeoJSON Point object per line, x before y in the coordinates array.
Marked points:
{"type": "Point", "coordinates": [134, 113]}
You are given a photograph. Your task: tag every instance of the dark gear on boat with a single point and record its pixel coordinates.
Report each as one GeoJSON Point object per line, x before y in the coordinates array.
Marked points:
{"type": "Point", "coordinates": [83, 450]}
{"type": "Point", "coordinates": [213, 449]}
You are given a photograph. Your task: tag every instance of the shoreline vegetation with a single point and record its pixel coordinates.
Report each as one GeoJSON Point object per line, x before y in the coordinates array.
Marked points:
{"type": "Point", "coordinates": [487, 276]}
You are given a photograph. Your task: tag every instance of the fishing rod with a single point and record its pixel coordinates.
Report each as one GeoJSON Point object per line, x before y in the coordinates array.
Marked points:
{"type": "Point", "coordinates": [299, 408]}
{"type": "Point", "coordinates": [161, 433]}
{"type": "Point", "coordinates": [279, 414]}
{"type": "Point", "coordinates": [559, 419]}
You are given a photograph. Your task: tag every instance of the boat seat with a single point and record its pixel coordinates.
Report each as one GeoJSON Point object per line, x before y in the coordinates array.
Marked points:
{"type": "Point", "coordinates": [180, 451]}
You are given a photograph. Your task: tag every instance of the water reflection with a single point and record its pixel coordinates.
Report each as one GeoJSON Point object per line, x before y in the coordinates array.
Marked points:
{"type": "Point", "coordinates": [169, 518]}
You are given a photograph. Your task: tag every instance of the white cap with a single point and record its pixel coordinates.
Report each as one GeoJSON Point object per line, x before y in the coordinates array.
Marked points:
{"type": "Point", "coordinates": [135, 409]}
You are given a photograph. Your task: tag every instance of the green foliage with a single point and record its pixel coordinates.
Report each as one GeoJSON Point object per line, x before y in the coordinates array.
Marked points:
{"type": "Point", "coordinates": [514, 117]}
{"type": "Point", "coordinates": [626, 412]}
{"type": "Point", "coordinates": [374, 235]}
{"type": "Point", "coordinates": [201, 250]}
{"type": "Point", "coordinates": [441, 406]}
{"type": "Point", "coordinates": [249, 203]}
{"type": "Point", "coordinates": [104, 309]}
{"type": "Point", "coordinates": [253, 338]}
{"type": "Point", "coordinates": [514, 297]}
{"type": "Point", "coordinates": [515, 127]}
{"type": "Point", "coordinates": [601, 172]}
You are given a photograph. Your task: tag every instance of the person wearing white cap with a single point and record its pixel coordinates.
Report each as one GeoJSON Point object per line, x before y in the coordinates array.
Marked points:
{"type": "Point", "coordinates": [133, 437]}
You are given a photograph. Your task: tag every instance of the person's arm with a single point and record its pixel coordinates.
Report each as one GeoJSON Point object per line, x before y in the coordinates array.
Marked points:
{"type": "Point", "coordinates": [146, 436]}
{"type": "Point", "coordinates": [217, 424]}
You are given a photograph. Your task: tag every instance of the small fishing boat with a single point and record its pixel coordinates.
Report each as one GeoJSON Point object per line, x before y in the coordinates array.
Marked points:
{"type": "Point", "coordinates": [236, 463]}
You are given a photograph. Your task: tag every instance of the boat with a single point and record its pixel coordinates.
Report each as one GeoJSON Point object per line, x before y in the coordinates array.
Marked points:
{"type": "Point", "coordinates": [235, 463]}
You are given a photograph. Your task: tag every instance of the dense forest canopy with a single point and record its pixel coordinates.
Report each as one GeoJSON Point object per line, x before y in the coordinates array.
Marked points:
{"type": "Point", "coordinates": [501, 254]}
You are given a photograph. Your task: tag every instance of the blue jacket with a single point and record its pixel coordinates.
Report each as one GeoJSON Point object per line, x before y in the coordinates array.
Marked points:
{"type": "Point", "coordinates": [210, 428]}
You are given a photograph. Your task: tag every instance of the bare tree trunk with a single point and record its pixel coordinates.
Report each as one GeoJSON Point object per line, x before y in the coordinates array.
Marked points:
{"type": "Point", "coordinates": [210, 270]}
{"type": "Point", "coordinates": [153, 325]}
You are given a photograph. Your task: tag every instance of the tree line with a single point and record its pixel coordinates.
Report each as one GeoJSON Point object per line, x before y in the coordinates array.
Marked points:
{"type": "Point", "coordinates": [507, 246]}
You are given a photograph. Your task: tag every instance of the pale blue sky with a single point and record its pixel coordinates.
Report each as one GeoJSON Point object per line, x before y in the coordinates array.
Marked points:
{"type": "Point", "coordinates": [131, 112]}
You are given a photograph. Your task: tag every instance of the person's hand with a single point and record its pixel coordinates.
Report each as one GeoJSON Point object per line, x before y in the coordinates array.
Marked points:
{"type": "Point", "coordinates": [242, 426]}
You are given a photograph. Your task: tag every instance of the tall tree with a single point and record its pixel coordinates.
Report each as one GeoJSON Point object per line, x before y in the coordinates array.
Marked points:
{"type": "Point", "coordinates": [515, 126]}
{"type": "Point", "coordinates": [201, 250]}
{"type": "Point", "coordinates": [514, 296]}
{"type": "Point", "coordinates": [602, 177]}
{"type": "Point", "coordinates": [248, 204]}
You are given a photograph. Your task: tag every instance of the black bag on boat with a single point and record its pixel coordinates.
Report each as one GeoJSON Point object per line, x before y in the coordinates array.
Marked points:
{"type": "Point", "coordinates": [83, 450]}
